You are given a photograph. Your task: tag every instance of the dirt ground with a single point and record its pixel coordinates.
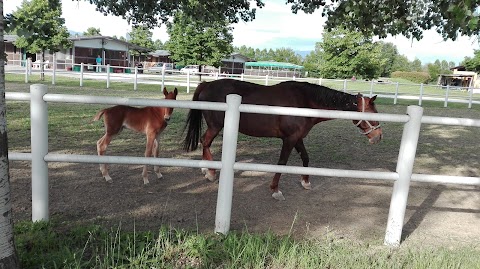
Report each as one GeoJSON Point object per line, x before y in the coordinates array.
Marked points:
{"type": "Point", "coordinates": [344, 208]}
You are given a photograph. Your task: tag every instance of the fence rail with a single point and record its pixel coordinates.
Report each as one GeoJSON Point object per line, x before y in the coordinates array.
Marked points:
{"type": "Point", "coordinates": [134, 75]}
{"type": "Point", "coordinates": [39, 155]}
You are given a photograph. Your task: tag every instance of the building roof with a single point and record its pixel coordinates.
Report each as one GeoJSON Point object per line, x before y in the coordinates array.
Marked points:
{"type": "Point", "coordinates": [159, 53]}
{"type": "Point", "coordinates": [10, 38]}
{"type": "Point", "coordinates": [130, 45]}
{"type": "Point", "coordinates": [273, 64]}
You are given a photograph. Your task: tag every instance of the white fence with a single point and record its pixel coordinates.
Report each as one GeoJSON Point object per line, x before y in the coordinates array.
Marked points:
{"type": "Point", "coordinates": [39, 155]}
{"type": "Point", "coordinates": [396, 91]}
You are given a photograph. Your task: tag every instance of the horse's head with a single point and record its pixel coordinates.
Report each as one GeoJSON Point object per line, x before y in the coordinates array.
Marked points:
{"type": "Point", "coordinates": [371, 129]}
{"type": "Point", "coordinates": [169, 96]}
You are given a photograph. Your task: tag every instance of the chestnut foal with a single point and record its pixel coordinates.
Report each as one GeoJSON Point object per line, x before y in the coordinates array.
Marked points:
{"type": "Point", "coordinates": [148, 120]}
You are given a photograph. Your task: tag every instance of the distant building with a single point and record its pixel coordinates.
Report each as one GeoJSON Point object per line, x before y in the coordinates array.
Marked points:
{"type": "Point", "coordinates": [459, 78]}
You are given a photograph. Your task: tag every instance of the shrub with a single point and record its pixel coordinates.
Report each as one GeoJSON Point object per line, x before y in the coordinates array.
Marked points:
{"type": "Point", "coordinates": [416, 77]}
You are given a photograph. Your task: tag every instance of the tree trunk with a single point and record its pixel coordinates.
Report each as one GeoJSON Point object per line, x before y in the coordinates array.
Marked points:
{"type": "Point", "coordinates": [8, 255]}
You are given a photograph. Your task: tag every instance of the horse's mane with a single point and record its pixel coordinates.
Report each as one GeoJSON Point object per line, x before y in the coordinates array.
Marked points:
{"type": "Point", "coordinates": [327, 97]}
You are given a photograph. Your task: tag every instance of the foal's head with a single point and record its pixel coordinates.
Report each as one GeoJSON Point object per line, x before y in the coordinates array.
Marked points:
{"type": "Point", "coordinates": [371, 129]}
{"type": "Point", "coordinates": [167, 111]}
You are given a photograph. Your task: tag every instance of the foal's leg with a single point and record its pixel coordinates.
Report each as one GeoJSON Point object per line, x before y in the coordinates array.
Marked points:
{"type": "Point", "coordinates": [207, 140]}
{"type": "Point", "coordinates": [300, 147]}
{"type": "Point", "coordinates": [156, 152]}
{"type": "Point", "coordinates": [288, 144]}
{"type": "Point", "coordinates": [102, 145]}
{"type": "Point", "coordinates": [148, 153]}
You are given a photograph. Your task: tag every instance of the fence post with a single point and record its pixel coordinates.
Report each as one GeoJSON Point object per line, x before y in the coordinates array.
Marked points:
{"type": "Point", "coordinates": [135, 77]}
{"type": "Point", "coordinates": [241, 77]}
{"type": "Point", "coordinates": [108, 76]}
{"type": "Point", "coordinates": [27, 63]}
{"type": "Point", "coordinates": [445, 104]}
{"type": "Point", "coordinates": [421, 95]}
{"type": "Point", "coordinates": [470, 101]}
{"type": "Point", "coordinates": [163, 77]}
{"type": "Point", "coordinates": [81, 74]}
{"type": "Point", "coordinates": [266, 80]}
{"type": "Point", "coordinates": [39, 146]}
{"type": "Point", "coordinates": [406, 158]}
{"type": "Point", "coordinates": [54, 67]}
{"type": "Point", "coordinates": [188, 82]}
{"type": "Point", "coordinates": [344, 85]}
{"type": "Point", "coordinates": [371, 88]}
{"type": "Point", "coordinates": [225, 184]}
{"type": "Point", "coordinates": [320, 81]}
{"type": "Point", "coordinates": [396, 95]}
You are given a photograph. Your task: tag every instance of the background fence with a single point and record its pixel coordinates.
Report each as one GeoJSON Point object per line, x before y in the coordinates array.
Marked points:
{"type": "Point", "coordinates": [392, 90]}
{"type": "Point", "coordinates": [39, 155]}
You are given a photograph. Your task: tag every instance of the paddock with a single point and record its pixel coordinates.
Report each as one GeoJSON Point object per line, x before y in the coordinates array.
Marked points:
{"type": "Point", "coordinates": [343, 207]}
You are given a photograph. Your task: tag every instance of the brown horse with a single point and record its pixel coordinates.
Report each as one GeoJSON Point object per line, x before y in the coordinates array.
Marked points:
{"type": "Point", "coordinates": [291, 129]}
{"type": "Point", "coordinates": [148, 120]}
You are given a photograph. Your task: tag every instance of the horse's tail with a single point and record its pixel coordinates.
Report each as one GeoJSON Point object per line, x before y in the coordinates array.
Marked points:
{"type": "Point", "coordinates": [98, 115]}
{"type": "Point", "coordinates": [193, 124]}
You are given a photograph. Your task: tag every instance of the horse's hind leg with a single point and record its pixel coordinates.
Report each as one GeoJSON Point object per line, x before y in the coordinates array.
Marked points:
{"type": "Point", "coordinates": [156, 150]}
{"type": "Point", "coordinates": [300, 147]}
{"type": "Point", "coordinates": [102, 145]}
{"type": "Point", "coordinates": [287, 147]}
{"type": "Point", "coordinates": [207, 140]}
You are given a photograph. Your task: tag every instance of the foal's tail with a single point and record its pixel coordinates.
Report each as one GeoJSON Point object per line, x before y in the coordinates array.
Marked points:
{"type": "Point", "coordinates": [99, 115]}
{"type": "Point", "coordinates": [193, 124]}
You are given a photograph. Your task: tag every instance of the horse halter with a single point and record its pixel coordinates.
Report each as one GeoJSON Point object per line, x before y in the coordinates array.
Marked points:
{"type": "Point", "coordinates": [372, 128]}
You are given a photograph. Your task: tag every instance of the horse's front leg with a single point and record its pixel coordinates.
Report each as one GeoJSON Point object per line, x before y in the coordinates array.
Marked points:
{"type": "Point", "coordinates": [287, 147]}
{"type": "Point", "coordinates": [300, 147]}
{"type": "Point", "coordinates": [102, 145]}
{"type": "Point", "coordinates": [207, 140]}
{"type": "Point", "coordinates": [148, 153]}
{"type": "Point", "coordinates": [156, 151]}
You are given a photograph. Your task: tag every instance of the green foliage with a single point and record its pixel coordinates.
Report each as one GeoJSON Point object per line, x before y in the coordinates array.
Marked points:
{"type": "Point", "coordinates": [141, 36]}
{"type": "Point", "coordinates": [40, 26]}
{"type": "Point", "coordinates": [92, 31]}
{"type": "Point", "coordinates": [438, 68]}
{"type": "Point", "coordinates": [314, 61]}
{"type": "Point", "coordinates": [416, 77]}
{"type": "Point", "coordinates": [286, 55]}
{"type": "Point", "coordinates": [472, 64]}
{"type": "Point", "coordinates": [198, 42]}
{"type": "Point", "coordinates": [389, 54]}
{"type": "Point", "coordinates": [158, 45]}
{"type": "Point", "coordinates": [346, 54]}
{"type": "Point", "coordinates": [416, 65]}
{"type": "Point", "coordinates": [401, 63]}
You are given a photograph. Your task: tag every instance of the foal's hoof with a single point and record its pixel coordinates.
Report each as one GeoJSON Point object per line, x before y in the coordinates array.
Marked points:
{"type": "Point", "coordinates": [210, 177]}
{"type": "Point", "coordinates": [307, 185]}
{"type": "Point", "coordinates": [159, 175]}
{"type": "Point", "coordinates": [146, 182]}
{"type": "Point", "coordinates": [108, 179]}
{"type": "Point", "coordinates": [204, 171]}
{"type": "Point", "coordinates": [278, 196]}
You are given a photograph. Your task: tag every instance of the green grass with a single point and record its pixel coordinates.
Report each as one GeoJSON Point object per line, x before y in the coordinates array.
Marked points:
{"type": "Point", "coordinates": [55, 245]}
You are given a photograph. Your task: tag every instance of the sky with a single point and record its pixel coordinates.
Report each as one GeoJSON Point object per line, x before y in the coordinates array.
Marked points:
{"type": "Point", "coordinates": [275, 26]}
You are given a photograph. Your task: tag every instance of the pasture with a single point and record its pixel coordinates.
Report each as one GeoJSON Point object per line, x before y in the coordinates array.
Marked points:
{"type": "Point", "coordinates": [342, 208]}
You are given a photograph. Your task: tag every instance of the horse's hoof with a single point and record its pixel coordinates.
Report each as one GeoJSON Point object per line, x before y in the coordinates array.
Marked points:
{"type": "Point", "coordinates": [307, 185]}
{"type": "Point", "coordinates": [159, 175]}
{"type": "Point", "coordinates": [204, 171]}
{"type": "Point", "coordinates": [278, 196]}
{"type": "Point", "coordinates": [108, 179]}
{"type": "Point", "coordinates": [146, 182]}
{"type": "Point", "coordinates": [210, 177]}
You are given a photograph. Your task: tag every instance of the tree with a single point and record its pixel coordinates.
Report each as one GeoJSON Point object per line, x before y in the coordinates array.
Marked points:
{"type": "Point", "coordinates": [314, 61]}
{"type": "Point", "coordinates": [389, 53]}
{"type": "Point", "coordinates": [141, 36]}
{"type": "Point", "coordinates": [416, 65]}
{"type": "Point", "coordinates": [8, 255]}
{"type": "Point", "coordinates": [92, 31]}
{"type": "Point", "coordinates": [40, 27]}
{"type": "Point", "coordinates": [346, 54]}
{"type": "Point", "coordinates": [198, 42]}
{"type": "Point", "coordinates": [286, 55]}
{"type": "Point", "coordinates": [472, 64]}
{"type": "Point", "coordinates": [401, 63]}
{"type": "Point", "coordinates": [158, 45]}
{"type": "Point", "coordinates": [373, 18]}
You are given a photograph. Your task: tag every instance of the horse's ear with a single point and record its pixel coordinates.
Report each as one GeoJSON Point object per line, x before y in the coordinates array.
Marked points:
{"type": "Point", "coordinates": [165, 92]}
{"type": "Point", "coordinates": [373, 99]}
{"type": "Point", "coordinates": [175, 91]}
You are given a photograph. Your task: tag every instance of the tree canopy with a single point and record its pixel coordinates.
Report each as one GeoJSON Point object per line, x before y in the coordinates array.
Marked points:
{"type": "Point", "coordinates": [92, 31]}
{"type": "Point", "coordinates": [141, 36]}
{"type": "Point", "coordinates": [379, 18]}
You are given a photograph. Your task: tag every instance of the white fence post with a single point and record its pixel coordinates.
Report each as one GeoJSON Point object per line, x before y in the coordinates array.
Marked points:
{"type": "Point", "coordinates": [371, 88]}
{"type": "Point", "coordinates": [320, 81]}
{"type": "Point", "coordinates": [345, 85]}
{"type": "Point", "coordinates": [188, 82]}
{"type": "Point", "coordinates": [266, 80]}
{"type": "Point", "coordinates": [241, 77]}
{"type": "Point", "coordinates": [81, 75]}
{"type": "Point", "coordinates": [39, 147]}
{"type": "Point", "coordinates": [27, 63]}
{"type": "Point", "coordinates": [163, 77]}
{"type": "Point", "coordinates": [396, 95]}
{"type": "Point", "coordinates": [54, 67]}
{"type": "Point", "coordinates": [470, 99]}
{"type": "Point", "coordinates": [445, 104]}
{"type": "Point", "coordinates": [229, 150]}
{"type": "Point", "coordinates": [421, 95]}
{"type": "Point", "coordinates": [108, 76]}
{"type": "Point", "coordinates": [406, 158]}
{"type": "Point", "coordinates": [135, 78]}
